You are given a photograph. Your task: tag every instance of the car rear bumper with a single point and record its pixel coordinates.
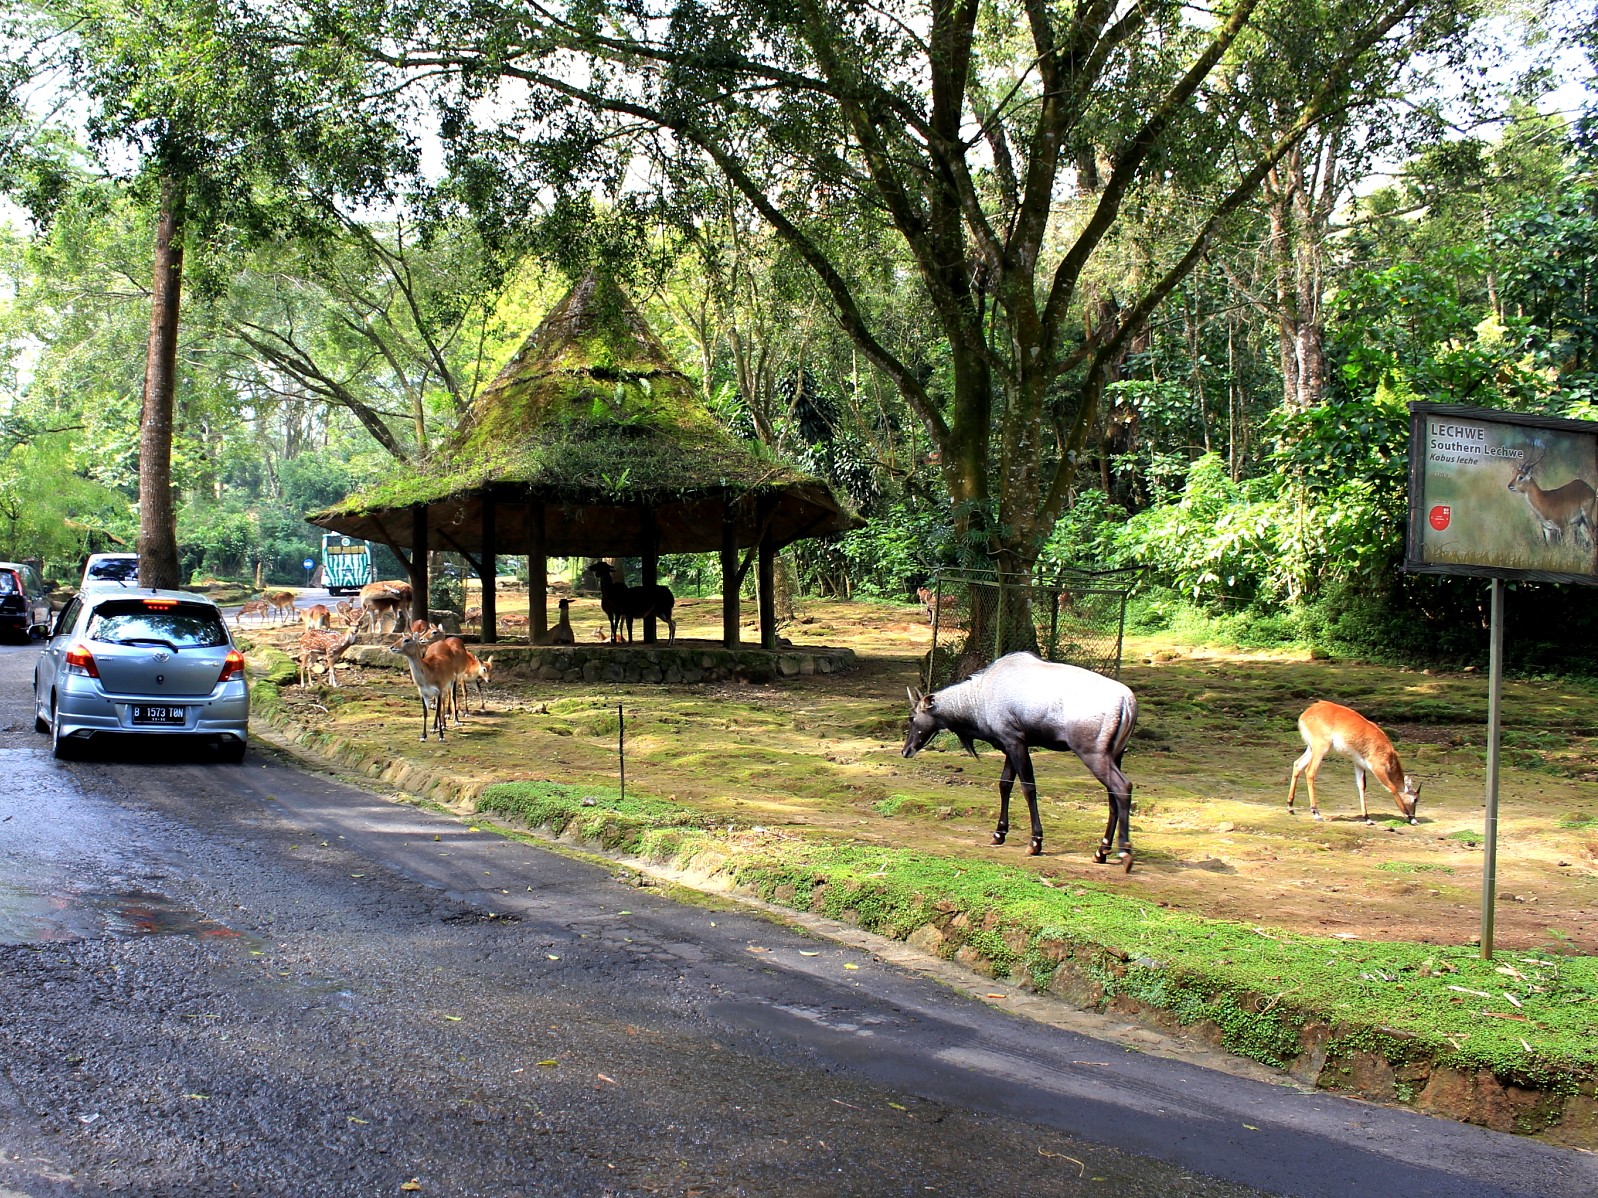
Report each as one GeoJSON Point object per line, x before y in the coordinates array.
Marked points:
{"type": "Point", "coordinates": [84, 708]}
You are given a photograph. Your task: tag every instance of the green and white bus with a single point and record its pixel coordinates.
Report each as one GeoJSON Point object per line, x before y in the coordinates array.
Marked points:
{"type": "Point", "coordinates": [346, 563]}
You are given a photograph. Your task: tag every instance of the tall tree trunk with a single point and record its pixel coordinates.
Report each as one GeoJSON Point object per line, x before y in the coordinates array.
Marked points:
{"type": "Point", "coordinates": [158, 534]}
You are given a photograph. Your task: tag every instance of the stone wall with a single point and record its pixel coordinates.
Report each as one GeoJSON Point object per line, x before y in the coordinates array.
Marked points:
{"type": "Point", "coordinates": [678, 664]}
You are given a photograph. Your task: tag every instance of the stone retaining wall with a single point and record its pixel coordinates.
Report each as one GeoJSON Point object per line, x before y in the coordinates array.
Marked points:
{"type": "Point", "coordinates": [685, 664]}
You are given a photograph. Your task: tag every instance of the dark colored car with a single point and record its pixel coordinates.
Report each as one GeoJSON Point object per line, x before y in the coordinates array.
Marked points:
{"type": "Point", "coordinates": [155, 663]}
{"type": "Point", "coordinates": [24, 602]}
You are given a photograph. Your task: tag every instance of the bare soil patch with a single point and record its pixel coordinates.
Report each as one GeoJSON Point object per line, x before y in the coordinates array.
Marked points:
{"type": "Point", "coordinates": [1210, 762]}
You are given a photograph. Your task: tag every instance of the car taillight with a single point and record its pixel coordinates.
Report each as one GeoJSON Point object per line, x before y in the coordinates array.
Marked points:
{"type": "Point", "coordinates": [232, 666]}
{"type": "Point", "coordinates": [80, 661]}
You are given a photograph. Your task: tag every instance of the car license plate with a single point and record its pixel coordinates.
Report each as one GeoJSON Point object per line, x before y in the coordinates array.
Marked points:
{"type": "Point", "coordinates": [157, 713]}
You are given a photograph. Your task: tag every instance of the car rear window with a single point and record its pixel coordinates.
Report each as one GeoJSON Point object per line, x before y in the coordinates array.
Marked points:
{"type": "Point", "coordinates": [153, 621]}
{"type": "Point", "coordinates": [8, 582]}
{"type": "Point", "coordinates": [114, 569]}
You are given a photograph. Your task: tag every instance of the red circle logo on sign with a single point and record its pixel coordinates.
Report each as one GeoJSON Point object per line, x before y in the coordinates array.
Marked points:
{"type": "Point", "coordinates": [1441, 515]}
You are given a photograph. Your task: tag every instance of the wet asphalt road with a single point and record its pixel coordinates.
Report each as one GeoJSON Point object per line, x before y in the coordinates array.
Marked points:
{"type": "Point", "coordinates": [219, 979]}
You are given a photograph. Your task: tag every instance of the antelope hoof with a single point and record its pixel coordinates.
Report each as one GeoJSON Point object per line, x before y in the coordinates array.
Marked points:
{"type": "Point", "coordinates": [1102, 856]}
{"type": "Point", "coordinates": [1315, 815]}
{"type": "Point", "coordinates": [1035, 848]}
{"type": "Point", "coordinates": [1413, 822]}
{"type": "Point", "coordinates": [998, 838]}
{"type": "Point", "coordinates": [1125, 858]}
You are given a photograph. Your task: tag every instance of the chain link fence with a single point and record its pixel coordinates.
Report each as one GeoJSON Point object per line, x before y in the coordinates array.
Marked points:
{"type": "Point", "coordinates": [1075, 616]}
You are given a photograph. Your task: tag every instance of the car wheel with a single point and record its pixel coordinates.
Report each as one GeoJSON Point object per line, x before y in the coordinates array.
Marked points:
{"type": "Point", "coordinates": [60, 746]}
{"type": "Point", "coordinates": [232, 750]}
{"type": "Point", "coordinates": [40, 724]}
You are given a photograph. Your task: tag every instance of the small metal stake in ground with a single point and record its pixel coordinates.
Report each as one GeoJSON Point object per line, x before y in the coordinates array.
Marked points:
{"type": "Point", "coordinates": [621, 749]}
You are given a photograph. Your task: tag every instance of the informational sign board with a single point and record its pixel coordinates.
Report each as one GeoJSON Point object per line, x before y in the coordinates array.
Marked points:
{"type": "Point", "coordinates": [1502, 495]}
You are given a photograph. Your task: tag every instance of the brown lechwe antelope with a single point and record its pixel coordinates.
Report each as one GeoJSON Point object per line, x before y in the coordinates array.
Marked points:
{"type": "Point", "coordinates": [434, 667]}
{"type": "Point", "coordinates": [317, 616]}
{"type": "Point", "coordinates": [1572, 507]}
{"type": "Point", "coordinates": [1331, 728]}
{"type": "Point", "coordinates": [479, 670]}
{"type": "Point", "coordinates": [326, 645]}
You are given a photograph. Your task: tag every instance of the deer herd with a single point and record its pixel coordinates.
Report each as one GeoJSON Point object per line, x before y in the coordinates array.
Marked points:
{"type": "Point", "coordinates": [1017, 704]}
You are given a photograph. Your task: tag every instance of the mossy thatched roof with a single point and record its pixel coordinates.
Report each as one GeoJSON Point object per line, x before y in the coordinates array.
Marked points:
{"type": "Point", "coordinates": [592, 419]}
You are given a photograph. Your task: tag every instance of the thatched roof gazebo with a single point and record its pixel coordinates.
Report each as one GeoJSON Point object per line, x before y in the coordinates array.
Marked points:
{"type": "Point", "coordinates": [590, 442]}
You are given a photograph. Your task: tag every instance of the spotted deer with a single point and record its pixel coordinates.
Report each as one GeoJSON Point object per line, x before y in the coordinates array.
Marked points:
{"type": "Point", "coordinates": [317, 616]}
{"type": "Point", "coordinates": [329, 646]}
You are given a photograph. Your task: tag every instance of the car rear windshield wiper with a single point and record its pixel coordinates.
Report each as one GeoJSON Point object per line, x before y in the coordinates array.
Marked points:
{"type": "Point", "coordinates": [148, 640]}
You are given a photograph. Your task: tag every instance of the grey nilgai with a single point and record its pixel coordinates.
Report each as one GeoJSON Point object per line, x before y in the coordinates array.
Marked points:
{"type": "Point", "coordinates": [1020, 703]}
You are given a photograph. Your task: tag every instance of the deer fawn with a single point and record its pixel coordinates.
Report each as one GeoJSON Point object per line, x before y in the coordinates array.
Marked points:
{"type": "Point", "coordinates": [434, 667]}
{"type": "Point", "coordinates": [254, 607]}
{"type": "Point", "coordinates": [1571, 506]}
{"type": "Point", "coordinates": [1328, 727]}
{"type": "Point", "coordinates": [326, 645]}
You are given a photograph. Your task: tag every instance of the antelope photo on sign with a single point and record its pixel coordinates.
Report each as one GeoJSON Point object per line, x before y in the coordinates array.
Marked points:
{"type": "Point", "coordinates": [1503, 494]}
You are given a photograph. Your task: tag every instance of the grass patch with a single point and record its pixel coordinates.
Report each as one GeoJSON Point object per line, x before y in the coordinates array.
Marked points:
{"type": "Point", "coordinates": [1467, 836]}
{"type": "Point", "coordinates": [1409, 867]}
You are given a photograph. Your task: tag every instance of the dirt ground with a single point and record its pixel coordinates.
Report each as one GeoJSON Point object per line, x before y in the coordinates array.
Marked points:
{"type": "Point", "coordinates": [1210, 762]}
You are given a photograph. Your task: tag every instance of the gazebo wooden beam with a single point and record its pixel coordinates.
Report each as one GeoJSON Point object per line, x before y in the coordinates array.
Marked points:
{"type": "Point", "coordinates": [731, 576]}
{"type": "Point", "coordinates": [537, 575]}
{"type": "Point", "coordinates": [418, 563]}
{"type": "Point", "coordinates": [487, 572]}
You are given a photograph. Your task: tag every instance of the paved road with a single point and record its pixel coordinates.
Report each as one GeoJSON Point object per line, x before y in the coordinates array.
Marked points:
{"type": "Point", "coordinates": [247, 979]}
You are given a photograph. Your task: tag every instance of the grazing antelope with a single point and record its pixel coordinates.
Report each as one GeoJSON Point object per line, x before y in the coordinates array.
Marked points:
{"type": "Point", "coordinates": [317, 616]}
{"type": "Point", "coordinates": [281, 603]}
{"type": "Point", "coordinates": [1329, 727]}
{"type": "Point", "coordinates": [1573, 506]}
{"type": "Point", "coordinates": [329, 646]}
{"type": "Point", "coordinates": [562, 633]}
{"type": "Point", "coordinates": [434, 667]}
{"type": "Point", "coordinates": [253, 607]}
{"type": "Point", "coordinates": [622, 602]}
{"type": "Point", "coordinates": [1021, 702]}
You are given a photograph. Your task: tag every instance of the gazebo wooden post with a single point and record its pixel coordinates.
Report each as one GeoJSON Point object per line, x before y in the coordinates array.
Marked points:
{"type": "Point", "coordinates": [650, 552]}
{"type": "Point", "coordinates": [767, 584]}
{"type": "Point", "coordinates": [488, 570]}
{"type": "Point", "coordinates": [417, 567]}
{"type": "Point", "coordinates": [729, 575]}
{"type": "Point", "coordinates": [537, 575]}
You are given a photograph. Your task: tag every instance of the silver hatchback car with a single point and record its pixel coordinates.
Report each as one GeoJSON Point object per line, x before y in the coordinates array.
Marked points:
{"type": "Point", "coordinates": [146, 662]}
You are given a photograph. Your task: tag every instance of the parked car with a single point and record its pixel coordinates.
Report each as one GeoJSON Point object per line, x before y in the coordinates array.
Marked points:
{"type": "Point", "coordinates": [110, 569]}
{"type": "Point", "coordinates": [24, 600]}
{"type": "Point", "coordinates": [155, 663]}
